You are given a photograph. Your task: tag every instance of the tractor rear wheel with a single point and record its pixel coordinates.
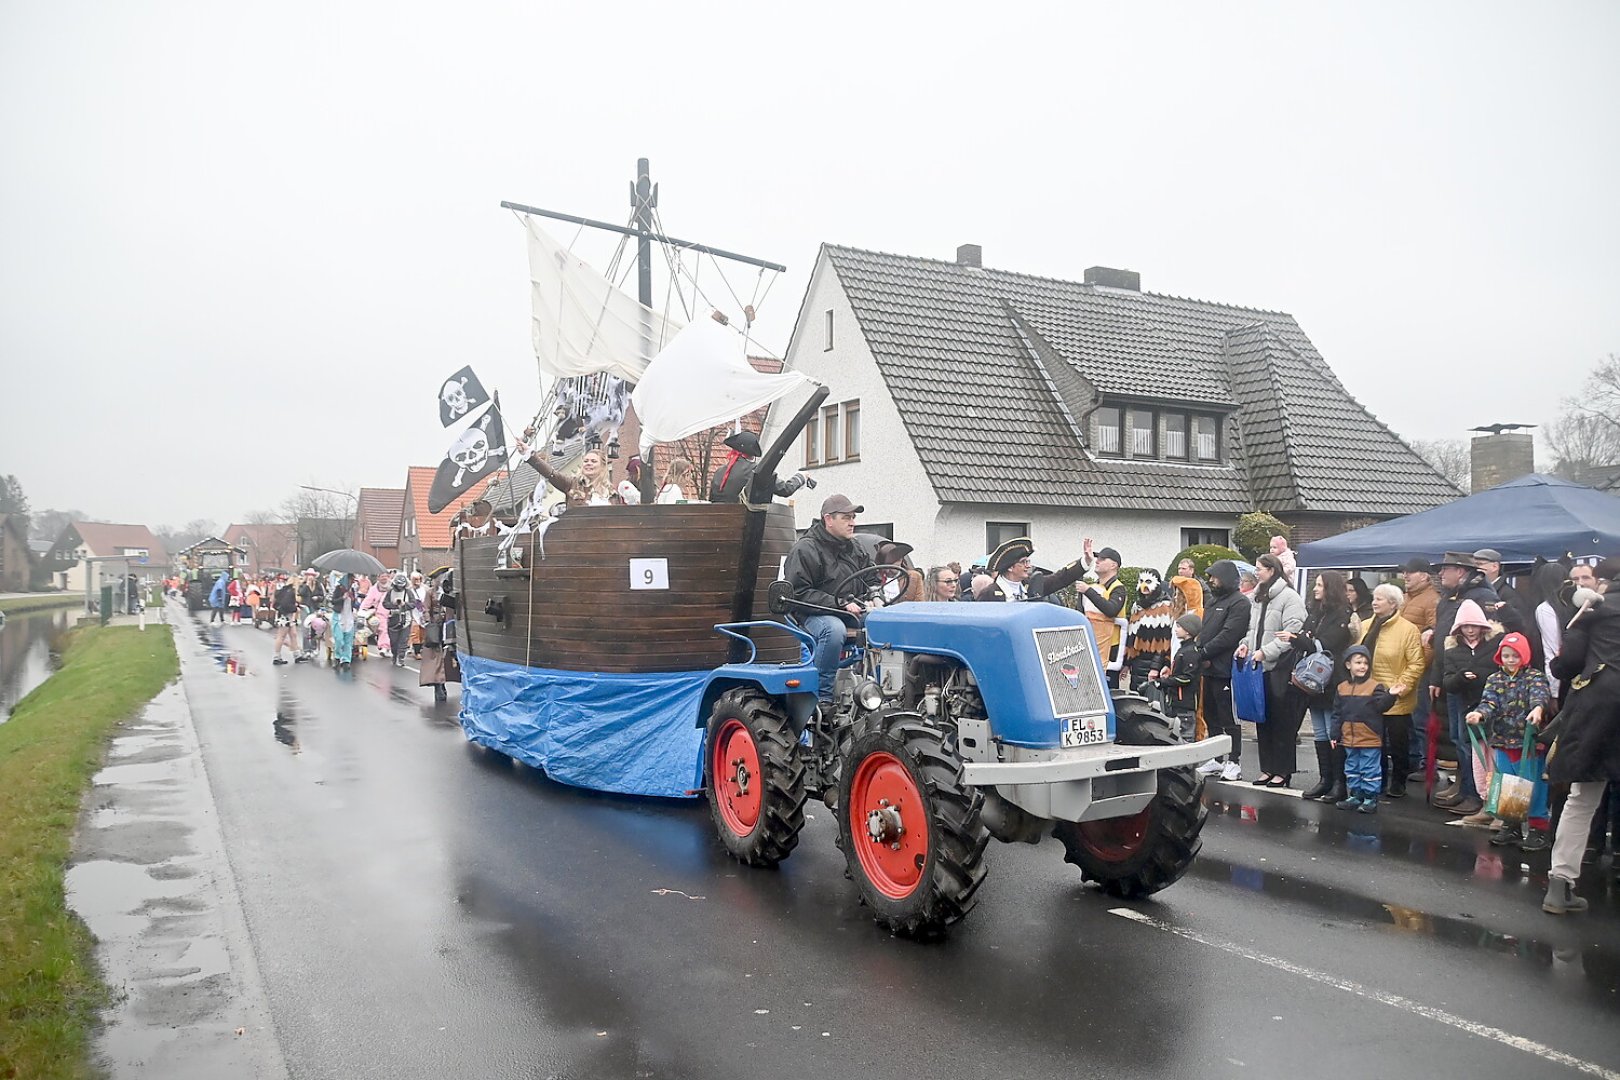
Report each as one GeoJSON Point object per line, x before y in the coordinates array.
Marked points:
{"type": "Point", "coordinates": [909, 827]}
{"type": "Point", "coordinates": [1135, 856]}
{"type": "Point", "coordinates": [754, 777]}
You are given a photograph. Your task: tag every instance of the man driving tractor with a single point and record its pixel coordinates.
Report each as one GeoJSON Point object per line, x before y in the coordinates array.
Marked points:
{"type": "Point", "coordinates": [818, 562]}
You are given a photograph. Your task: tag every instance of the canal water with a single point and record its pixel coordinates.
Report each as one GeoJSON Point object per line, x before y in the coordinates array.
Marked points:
{"type": "Point", "coordinates": [26, 645]}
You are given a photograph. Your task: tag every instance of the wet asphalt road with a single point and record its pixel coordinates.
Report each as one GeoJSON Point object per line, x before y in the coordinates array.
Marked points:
{"type": "Point", "coordinates": [419, 907]}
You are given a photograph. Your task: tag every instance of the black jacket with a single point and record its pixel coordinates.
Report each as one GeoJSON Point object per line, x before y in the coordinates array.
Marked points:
{"type": "Point", "coordinates": [312, 596]}
{"type": "Point", "coordinates": [727, 486]}
{"type": "Point", "coordinates": [1038, 585]}
{"type": "Point", "coordinates": [1182, 690]}
{"type": "Point", "coordinates": [286, 602]}
{"type": "Point", "coordinates": [819, 561]}
{"type": "Point", "coordinates": [1479, 590]}
{"type": "Point", "coordinates": [1523, 618]}
{"type": "Point", "coordinates": [1459, 659]}
{"type": "Point", "coordinates": [1588, 729]}
{"type": "Point", "coordinates": [1226, 620]}
{"type": "Point", "coordinates": [1330, 628]}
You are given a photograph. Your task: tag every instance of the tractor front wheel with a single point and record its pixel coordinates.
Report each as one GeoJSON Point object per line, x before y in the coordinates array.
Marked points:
{"type": "Point", "coordinates": [909, 827]}
{"type": "Point", "coordinates": [755, 778]}
{"type": "Point", "coordinates": [1135, 856]}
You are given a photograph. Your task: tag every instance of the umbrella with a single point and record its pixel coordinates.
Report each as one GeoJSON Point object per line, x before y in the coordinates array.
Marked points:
{"type": "Point", "coordinates": [348, 561]}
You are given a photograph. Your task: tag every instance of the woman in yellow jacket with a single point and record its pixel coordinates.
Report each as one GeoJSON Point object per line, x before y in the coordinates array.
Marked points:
{"type": "Point", "coordinates": [1397, 662]}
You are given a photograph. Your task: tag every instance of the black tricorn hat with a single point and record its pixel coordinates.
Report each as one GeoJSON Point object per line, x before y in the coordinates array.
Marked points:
{"type": "Point", "coordinates": [745, 443]}
{"type": "Point", "coordinates": [1010, 552]}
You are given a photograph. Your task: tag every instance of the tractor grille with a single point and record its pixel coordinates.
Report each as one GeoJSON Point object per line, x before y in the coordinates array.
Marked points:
{"type": "Point", "coordinates": [1073, 679]}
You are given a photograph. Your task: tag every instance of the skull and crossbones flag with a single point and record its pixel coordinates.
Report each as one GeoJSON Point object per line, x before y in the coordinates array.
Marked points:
{"type": "Point", "coordinates": [477, 452]}
{"type": "Point", "coordinates": [461, 396]}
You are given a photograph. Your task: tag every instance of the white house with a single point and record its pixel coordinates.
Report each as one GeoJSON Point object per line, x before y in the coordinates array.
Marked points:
{"type": "Point", "coordinates": [970, 406]}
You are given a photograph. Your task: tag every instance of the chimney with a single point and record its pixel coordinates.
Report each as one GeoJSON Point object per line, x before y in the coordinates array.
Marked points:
{"type": "Point", "coordinates": [1110, 278]}
{"type": "Point", "coordinates": [970, 255]}
{"type": "Point", "coordinates": [1495, 459]}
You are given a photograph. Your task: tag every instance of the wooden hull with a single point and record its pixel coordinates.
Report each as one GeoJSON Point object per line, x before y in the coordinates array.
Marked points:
{"type": "Point", "coordinates": [575, 610]}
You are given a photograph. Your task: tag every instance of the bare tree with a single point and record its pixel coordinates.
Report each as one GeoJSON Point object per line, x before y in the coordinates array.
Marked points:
{"type": "Point", "coordinates": [1449, 457]}
{"type": "Point", "coordinates": [322, 519]}
{"type": "Point", "coordinates": [1586, 435]}
{"type": "Point", "coordinates": [274, 546]}
{"type": "Point", "coordinates": [49, 524]}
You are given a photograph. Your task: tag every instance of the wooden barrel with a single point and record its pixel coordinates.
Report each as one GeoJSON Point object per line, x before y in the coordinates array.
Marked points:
{"type": "Point", "coordinates": [627, 589]}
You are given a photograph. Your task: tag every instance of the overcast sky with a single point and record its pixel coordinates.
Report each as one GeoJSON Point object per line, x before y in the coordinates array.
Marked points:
{"type": "Point", "coordinates": [240, 246]}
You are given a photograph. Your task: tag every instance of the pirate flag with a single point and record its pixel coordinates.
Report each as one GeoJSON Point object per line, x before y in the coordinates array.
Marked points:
{"type": "Point", "coordinates": [460, 396]}
{"type": "Point", "coordinates": [477, 452]}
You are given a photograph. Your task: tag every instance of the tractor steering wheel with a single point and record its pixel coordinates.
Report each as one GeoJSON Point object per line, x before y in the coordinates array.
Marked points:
{"type": "Point", "coordinates": [882, 575]}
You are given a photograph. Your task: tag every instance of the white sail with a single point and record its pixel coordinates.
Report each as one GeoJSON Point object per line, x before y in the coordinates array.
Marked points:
{"type": "Point", "coordinates": [582, 324]}
{"type": "Point", "coordinates": [702, 379]}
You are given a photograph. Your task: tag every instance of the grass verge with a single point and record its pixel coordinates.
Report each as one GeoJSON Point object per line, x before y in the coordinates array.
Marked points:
{"type": "Point", "coordinates": [52, 745]}
{"type": "Point", "coordinates": [42, 601]}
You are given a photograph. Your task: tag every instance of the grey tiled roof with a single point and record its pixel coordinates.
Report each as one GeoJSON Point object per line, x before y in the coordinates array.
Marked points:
{"type": "Point", "coordinates": [994, 372]}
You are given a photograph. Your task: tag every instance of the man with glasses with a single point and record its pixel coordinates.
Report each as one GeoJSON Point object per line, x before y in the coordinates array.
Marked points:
{"type": "Point", "coordinates": [1015, 576]}
{"type": "Point", "coordinates": [817, 564]}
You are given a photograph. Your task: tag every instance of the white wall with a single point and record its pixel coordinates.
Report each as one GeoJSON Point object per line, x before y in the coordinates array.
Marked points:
{"type": "Point", "coordinates": [889, 479]}
{"type": "Point", "coordinates": [1143, 539]}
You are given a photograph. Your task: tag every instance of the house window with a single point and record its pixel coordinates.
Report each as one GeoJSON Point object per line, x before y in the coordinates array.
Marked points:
{"type": "Point", "coordinates": [829, 330]}
{"type": "Point", "coordinates": [997, 533]}
{"type": "Point", "coordinates": [829, 434]}
{"type": "Point", "coordinates": [852, 431]}
{"type": "Point", "coordinates": [1109, 438]}
{"type": "Point", "coordinates": [812, 444]}
{"type": "Point", "coordinates": [1175, 436]}
{"type": "Point", "coordinates": [1206, 438]}
{"type": "Point", "coordinates": [1197, 537]}
{"type": "Point", "coordinates": [1140, 422]}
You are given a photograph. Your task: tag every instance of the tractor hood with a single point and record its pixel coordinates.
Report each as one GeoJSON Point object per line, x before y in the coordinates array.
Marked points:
{"type": "Point", "coordinates": [1036, 664]}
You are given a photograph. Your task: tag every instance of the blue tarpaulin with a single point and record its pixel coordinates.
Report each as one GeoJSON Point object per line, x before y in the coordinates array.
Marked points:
{"type": "Point", "coordinates": [1533, 515]}
{"type": "Point", "coordinates": [628, 734]}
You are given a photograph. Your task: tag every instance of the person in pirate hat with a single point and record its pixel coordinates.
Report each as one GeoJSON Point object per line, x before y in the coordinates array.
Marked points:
{"type": "Point", "coordinates": [1012, 576]}
{"type": "Point", "coordinates": [731, 479]}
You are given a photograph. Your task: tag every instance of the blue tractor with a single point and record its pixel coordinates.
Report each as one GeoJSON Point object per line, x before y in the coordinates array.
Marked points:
{"type": "Point", "coordinates": [951, 724]}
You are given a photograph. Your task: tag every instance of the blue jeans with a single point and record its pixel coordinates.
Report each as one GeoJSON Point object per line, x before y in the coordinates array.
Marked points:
{"type": "Point", "coordinates": [1321, 722]}
{"type": "Point", "coordinates": [828, 630]}
{"type": "Point", "coordinates": [1465, 751]}
{"type": "Point", "coordinates": [1363, 770]}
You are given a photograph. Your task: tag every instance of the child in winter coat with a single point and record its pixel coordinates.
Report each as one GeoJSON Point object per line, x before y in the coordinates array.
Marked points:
{"type": "Point", "coordinates": [1181, 678]}
{"type": "Point", "coordinates": [1358, 726]}
{"type": "Point", "coordinates": [1467, 661]}
{"type": "Point", "coordinates": [1514, 701]}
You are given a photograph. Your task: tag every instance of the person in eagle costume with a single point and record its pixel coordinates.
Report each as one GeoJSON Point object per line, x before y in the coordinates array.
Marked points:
{"type": "Point", "coordinates": [1147, 638]}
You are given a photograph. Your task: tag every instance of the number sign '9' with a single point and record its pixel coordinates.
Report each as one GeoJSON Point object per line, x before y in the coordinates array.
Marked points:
{"type": "Point", "coordinates": [649, 573]}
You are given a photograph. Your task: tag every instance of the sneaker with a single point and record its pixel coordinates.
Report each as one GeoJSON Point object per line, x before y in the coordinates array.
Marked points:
{"type": "Point", "coordinates": [300, 659]}
{"type": "Point", "coordinates": [1232, 771]}
{"type": "Point", "coordinates": [1210, 768]}
{"type": "Point", "coordinates": [279, 661]}
{"type": "Point", "coordinates": [1349, 802]}
{"type": "Point", "coordinates": [1368, 805]}
{"type": "Point", "coordinates": [1502, 837]}
{"type": "Point", "coordinates": [1536, 841]}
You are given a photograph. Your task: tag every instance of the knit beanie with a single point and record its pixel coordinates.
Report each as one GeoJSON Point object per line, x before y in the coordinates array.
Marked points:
{"type": "Point", "coordinates": [1191, 623]}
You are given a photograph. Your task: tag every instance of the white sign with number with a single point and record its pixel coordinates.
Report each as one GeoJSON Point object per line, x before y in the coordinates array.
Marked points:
{"type": "Point", "coordinates": [649, 573]}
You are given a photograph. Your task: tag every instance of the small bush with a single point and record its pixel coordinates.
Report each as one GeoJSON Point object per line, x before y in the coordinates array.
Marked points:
{"type": "Point", "coordinates": [1203, 556]}
{"type": "Point", "coordinates": [1254, 532]}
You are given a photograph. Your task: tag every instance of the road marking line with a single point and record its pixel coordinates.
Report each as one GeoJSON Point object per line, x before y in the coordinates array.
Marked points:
{"type": "Point", "coordinates": [1484, 1031]}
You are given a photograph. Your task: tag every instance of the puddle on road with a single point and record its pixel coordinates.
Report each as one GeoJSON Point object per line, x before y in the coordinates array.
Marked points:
{"type": "Point", "coordinates": [1452, 930]}
{"type": "Point", "coordinates": [113, 898]}
{"type": "Point", "coordinates": [228, 660]}
{"type": "Point", "coordinates": [148, 772]}
{"type": "Point", "coordinates": [285, 726]}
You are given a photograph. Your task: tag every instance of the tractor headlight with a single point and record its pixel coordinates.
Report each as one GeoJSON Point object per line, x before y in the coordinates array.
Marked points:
{"type": "Point", "coordinates": [869, 695]}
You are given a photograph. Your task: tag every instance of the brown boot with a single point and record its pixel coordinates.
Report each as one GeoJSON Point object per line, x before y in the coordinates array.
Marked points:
{"type": "Point", "coordinates": [1449, 795]}
{"type": "Point", "coordinates": [1479, 818]}
{"type": "Point", "coordinates": [1465, 806]}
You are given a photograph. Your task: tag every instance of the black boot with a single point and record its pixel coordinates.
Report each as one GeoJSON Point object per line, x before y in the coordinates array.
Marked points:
{"type": "Point", "coordinates": [1324, 772]}
{"type": "Point", "coordinates": [1337, 793]}
{"type": "Point", "coordinates": [1397, 743]}
{"type": "Point", "coordinates": [439, 692]}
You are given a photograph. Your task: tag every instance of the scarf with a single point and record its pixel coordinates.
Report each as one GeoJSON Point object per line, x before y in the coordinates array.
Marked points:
{"type": "Point", "coordinates": [732, 457]}
{"type": "Point", "coordinates": [1371, 640]}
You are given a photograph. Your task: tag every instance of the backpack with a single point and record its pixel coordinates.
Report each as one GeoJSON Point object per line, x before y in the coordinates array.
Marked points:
{"type": "Point", "coordinates": [1314, 672]}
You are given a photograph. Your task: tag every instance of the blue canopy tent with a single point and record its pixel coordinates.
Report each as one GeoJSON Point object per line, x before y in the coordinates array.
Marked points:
{"type": "Point", "coordinates": [1533, 516]}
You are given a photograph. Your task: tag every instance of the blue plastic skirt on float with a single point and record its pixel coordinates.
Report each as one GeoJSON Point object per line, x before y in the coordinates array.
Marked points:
{"type": "Point", "coordinates": [627, 734]}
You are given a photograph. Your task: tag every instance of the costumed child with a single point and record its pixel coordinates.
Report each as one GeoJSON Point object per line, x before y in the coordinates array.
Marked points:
{"type": "Point", "coordinates": [372, 607]}
{"type": "Point", "coordinates": [1465, 665]}
{"type": "Point", "coordinates": [1147, 639]}
{"type": "Point", "coordinates": [1181, 678]}
{"type": "Point", "coordinates": [1514, 702]}
{"type": "Point", "coordinates": [1358, 727]}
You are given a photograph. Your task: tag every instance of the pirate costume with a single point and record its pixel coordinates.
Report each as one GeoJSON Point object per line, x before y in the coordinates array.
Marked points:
{"type": "Point", "coordinates": [1038, 585]}
{"type": "Point", "coordinates": [731, 480]}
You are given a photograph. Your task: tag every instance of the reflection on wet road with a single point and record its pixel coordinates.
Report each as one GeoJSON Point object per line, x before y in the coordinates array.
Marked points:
{"type": "Point", "coordinates": [423, 907]}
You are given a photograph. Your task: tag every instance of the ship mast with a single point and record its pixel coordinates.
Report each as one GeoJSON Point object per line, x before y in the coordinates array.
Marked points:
{"type": "Point", "coordinates": [643, 200]}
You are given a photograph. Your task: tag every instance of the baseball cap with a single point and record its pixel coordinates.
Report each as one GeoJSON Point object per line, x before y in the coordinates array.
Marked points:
{"type": "Point", "coordinates": [840, 504]}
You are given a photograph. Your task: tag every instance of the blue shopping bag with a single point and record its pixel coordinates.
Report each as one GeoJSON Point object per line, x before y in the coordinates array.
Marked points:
{"type": "Point", "coordinates": [1249, 690]}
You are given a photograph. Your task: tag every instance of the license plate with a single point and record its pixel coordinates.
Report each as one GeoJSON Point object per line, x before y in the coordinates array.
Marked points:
{"type": "Point", "coordinates": [1085, 730]}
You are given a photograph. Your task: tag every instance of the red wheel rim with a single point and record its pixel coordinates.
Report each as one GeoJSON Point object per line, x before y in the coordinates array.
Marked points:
{"type": "Point", "coordinates": [888, 825]}
{"type": "Point", "coordinates": [734, 767]}
{"type": "Point", "coordinates": [1117, 839]}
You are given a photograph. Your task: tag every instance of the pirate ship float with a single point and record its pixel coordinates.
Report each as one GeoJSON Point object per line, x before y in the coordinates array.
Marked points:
{"type": "Point", "coordinates": [586, 638]}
